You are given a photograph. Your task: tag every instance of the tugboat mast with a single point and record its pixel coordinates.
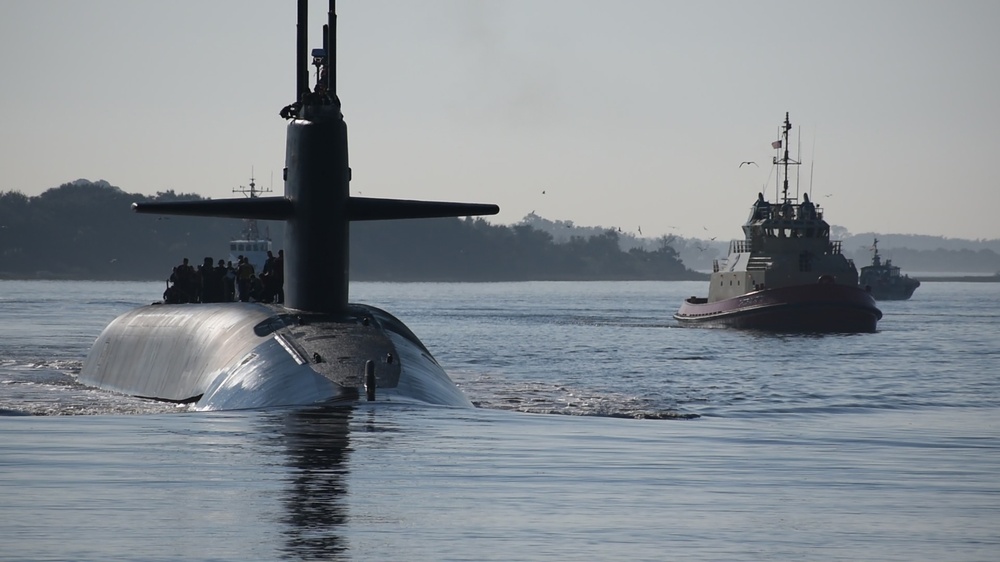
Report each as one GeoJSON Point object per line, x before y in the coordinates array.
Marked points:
{"type": "Point", "coordinates": [786, 160]}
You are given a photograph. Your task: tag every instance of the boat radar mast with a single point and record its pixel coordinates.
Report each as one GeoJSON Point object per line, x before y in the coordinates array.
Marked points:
{"type": "Point", "coordinates": [784, 161]}
{"type": "Point", "coordinates": [252, 192]}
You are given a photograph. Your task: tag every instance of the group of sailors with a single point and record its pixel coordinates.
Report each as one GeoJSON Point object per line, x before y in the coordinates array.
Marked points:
{"type": "Point", "coordinates": [762, 210]}
{"type": "Point", "coordinates": [225, 282]}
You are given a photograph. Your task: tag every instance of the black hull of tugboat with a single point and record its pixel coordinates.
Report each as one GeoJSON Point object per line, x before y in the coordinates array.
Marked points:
{"type": "Point", "coordinates": [820, 307]}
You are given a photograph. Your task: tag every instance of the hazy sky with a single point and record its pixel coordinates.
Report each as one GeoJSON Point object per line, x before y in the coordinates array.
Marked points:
{"type": "Point", "coordinates": [625, 114]}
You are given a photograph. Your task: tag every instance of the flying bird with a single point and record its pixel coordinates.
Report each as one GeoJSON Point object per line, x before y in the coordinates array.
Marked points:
{"type": "Point", "coordinates": [640, 230]}
{"type": "Point", "coordinates": [748, 162]}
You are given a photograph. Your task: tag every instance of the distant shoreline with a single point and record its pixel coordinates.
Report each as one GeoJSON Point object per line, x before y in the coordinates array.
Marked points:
{"type": "Point", "coordinates": [5, 276]}
{"type": "Point", "coordinates": [960, 278]}
{"type": "Point", "coordinates": [364, 279]}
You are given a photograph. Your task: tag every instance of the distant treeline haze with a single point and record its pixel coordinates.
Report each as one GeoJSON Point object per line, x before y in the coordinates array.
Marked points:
{"type": "Point", "coordinates": [912, 252]}
{"type": "Point", "coordinates": [87, 230]}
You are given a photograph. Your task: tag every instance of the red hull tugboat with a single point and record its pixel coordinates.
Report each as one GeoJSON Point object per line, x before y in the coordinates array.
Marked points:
{"type": "Point", "coordinates": [786, 275]}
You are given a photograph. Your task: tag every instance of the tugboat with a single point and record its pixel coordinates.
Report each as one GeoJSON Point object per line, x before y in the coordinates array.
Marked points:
{"type": "Point", "coordinates": [884, 280]}
{"type": "Point", "coordinates": [786, 275]}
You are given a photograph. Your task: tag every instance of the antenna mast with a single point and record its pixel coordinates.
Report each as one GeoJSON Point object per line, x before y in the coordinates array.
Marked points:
{"type": "Point", "coordinates": [812, 163]}
{"type": "Point", "coordinates": [784, 187]}
{"type": "Point", "coordinates": [785, 161]}
{"type": "Point", "coordinates": [798, 171]}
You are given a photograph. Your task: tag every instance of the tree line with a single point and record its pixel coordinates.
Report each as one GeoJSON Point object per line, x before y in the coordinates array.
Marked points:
{"type": "Point", "coordinates": [87, 230]}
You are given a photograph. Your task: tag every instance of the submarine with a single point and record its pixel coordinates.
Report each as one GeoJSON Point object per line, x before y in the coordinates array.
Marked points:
{"type": "Point", "coordinates": [316, 346]}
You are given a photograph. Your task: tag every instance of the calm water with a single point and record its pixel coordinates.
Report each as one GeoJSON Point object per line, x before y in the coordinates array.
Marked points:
{"type": "Point", "coordinates": [605, 432]}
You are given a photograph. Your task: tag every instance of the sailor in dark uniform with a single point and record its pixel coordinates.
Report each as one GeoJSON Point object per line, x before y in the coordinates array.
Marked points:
{"type": "Point", "coordinates": [761, 208]}
{"type": "Point", "coordinates": [807, 210]}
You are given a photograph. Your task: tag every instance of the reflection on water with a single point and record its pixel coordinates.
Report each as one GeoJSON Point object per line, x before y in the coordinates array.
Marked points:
{"type": "Point", "coordinates": [318, 448]}
{"type": "Point", "coordinates": [317, 461]}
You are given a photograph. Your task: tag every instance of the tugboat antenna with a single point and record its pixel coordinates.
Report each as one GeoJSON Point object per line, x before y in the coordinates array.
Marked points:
{"type": "Point", "coordinates": [798, 171]}
{"type": "Point", "coordinates": [782, 144]}
{"type": "Point", "coordinates": [784, 190]}
{"type": "Point", "coordinates": [812, 163]}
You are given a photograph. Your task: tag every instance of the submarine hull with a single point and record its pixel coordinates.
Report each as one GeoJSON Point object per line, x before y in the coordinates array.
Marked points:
{"type": "Point", "coordinates": [251, 355]}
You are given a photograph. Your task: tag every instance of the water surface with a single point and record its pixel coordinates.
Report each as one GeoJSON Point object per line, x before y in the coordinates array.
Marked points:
{"type": "Point", "coordinates": [605, 431]}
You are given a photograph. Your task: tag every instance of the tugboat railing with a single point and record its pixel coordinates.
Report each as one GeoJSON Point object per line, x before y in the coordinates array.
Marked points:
{"type": "Point", "coordinates": [746, 246]}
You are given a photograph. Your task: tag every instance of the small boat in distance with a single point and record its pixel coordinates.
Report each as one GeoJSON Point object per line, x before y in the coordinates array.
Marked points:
{"type": "Point", "coordinates": [251, 244]}
{"type": "Point", "coordinates": [884, 280]}
{"type": "Point", "coordinates": [786, 275]}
